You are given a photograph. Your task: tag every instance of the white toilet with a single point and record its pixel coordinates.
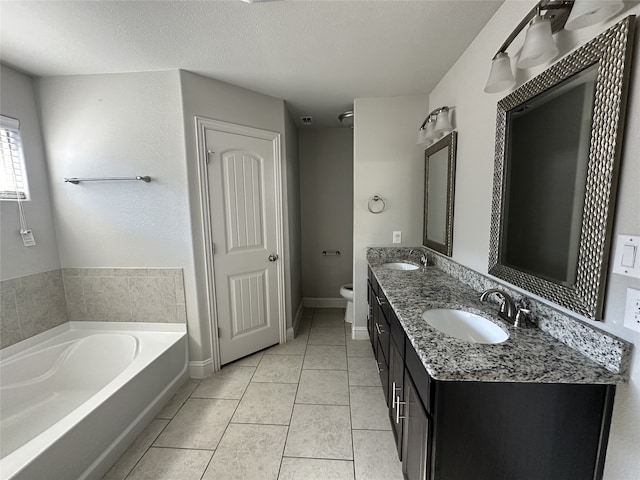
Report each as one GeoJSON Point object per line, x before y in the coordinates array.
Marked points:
{"type": "Point", "coordinates": [347, 293]}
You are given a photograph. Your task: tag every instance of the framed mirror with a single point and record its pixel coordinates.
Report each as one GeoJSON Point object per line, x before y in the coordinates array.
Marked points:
{"type": "Point", "coordinates": [558, 144]}
{"type": "Point", "coordinates": [439, 186]}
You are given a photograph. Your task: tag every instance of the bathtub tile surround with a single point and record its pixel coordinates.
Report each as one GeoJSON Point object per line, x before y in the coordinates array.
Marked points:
{"type": "Point", "coordinates": [605, 349]}
{"type": "Point", "coordinates": [322, 428]}
{"type": "Point", "coordinates": [125, 294]}
{"type": "Point", "coordinates": [30, 305]}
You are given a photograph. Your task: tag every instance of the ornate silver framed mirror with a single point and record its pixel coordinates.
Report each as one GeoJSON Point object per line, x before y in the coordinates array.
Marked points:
{"type": "Point", "coordinates": [558, 143]}
{"type": "Point", "coordinates": [439, 186]}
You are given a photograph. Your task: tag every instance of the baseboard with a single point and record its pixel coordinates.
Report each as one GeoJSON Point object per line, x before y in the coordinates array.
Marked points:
{"type": "Point", "coordinates": [290, 334]}
{"type": "Point", "coordinates": [201, 369]}
{"type": "Point", "coordinates": [359, 333]}
{"type": "Point", "coordinates": [311, 302]}
{"type": "Point", "coordinates": [297, 317]}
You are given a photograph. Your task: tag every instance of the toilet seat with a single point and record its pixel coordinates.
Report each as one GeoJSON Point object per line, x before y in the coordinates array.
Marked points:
{"type": "Point", "coordinates": [347, 291]}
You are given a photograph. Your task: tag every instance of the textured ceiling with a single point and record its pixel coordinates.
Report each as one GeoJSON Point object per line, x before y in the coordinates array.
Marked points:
{"type": "Point", "coordinates": [317, 55]}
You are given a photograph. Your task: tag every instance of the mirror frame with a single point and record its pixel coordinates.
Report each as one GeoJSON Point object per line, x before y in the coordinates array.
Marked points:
{"type": "Point", "coordinates": [448, 141]}
{"type": "Point", "coordinates": [612, 52]}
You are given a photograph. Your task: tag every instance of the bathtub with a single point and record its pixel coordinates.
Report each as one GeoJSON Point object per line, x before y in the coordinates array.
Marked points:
{"type": "Point", "coordinates": [73, 398]}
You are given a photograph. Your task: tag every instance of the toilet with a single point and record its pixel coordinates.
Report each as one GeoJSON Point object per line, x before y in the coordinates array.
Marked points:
{"type": "Point", "coordinates": [347, 293]}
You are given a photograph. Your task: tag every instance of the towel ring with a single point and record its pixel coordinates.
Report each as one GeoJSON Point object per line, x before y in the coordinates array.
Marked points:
{"type": "Point", "coordinates": [373, 202]}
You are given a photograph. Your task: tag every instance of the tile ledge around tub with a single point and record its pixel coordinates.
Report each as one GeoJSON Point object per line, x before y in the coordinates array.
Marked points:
{"type": "Point", "coordinates": [606, 349]}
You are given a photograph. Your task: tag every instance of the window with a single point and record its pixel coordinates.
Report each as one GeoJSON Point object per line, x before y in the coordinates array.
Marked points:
{"type": "Point", "coordinates": [13, 179]}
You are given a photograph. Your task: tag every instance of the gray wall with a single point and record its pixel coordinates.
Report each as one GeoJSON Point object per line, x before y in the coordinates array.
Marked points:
{"type": "Point", "coordinates": [217, 100]}
{"type": "Point", "coordinates": [326, 185]}
{"type": "Point", "coordinates": [31, 288]}
{"type": "Point", "coordinates": [475, 118]}
{"type": "Point", "coordinates": [293, 234]}
{"type": "Point", "coordinates": [121, 125]}
{"type": "Point", "coordinates": [389, 163]}
{"type": "Point", "coordinates": [16, 260]}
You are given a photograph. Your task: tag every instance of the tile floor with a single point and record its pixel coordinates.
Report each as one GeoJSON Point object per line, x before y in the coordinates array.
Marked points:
{"type": "Point", "coordinates": [312, 409]}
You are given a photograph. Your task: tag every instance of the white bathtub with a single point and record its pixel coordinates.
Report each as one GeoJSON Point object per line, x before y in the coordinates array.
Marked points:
{"type": "Point", "coordinates": [74, 397]}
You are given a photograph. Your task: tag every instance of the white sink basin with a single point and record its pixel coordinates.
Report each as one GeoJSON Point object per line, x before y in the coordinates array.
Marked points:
{"type": "Point", "coordinates": [465, 326]}
{"type": "Point", "coordinates": [400, 266]}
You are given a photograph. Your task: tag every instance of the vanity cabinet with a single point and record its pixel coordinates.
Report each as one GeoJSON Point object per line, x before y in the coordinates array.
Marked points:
{"type": "Point", "coordinates": [396, 380]}
{"type": "Point", "coordinates": [379, 332]}
{"type": "Point", "coordinates": [459, 430]}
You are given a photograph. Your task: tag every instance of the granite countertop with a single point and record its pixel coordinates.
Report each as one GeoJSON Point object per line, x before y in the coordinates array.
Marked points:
{"type": "Point", "coordinates": [528, 355]}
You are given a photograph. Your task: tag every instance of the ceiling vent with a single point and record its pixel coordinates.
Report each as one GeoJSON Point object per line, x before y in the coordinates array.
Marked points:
{"type": "Point", "coordinates": [306, 120]}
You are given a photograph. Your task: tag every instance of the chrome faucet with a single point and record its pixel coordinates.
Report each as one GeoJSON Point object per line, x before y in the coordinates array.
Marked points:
{"type": "Point", "coordinates": [507, 307]}
{"type": "Point", "coordinates": [423, 258]}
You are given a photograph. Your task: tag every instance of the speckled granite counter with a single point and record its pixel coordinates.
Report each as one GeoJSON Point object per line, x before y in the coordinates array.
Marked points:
{"type": "Point", "coordinates": [529, 355]}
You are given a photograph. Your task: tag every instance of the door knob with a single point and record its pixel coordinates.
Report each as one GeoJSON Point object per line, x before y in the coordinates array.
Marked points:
{"type": "Point", "coordinates": [273, 257]}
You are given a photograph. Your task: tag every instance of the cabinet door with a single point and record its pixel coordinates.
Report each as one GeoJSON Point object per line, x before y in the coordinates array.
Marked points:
{"type": "Point", "coordinates": [371, 304]}
{"type": "Point", "coordinates": [383, 371]}
{"type": "Point", "coordinates": [396, 394]}
{"type": "Point", "coordinates": [416, 445]}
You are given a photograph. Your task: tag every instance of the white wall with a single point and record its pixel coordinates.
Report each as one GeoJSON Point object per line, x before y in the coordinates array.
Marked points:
{"type": "Point", "coordinates": [475, 120]}
{"type": "Point", "coordinates": [326, 184]}
{"type": "Point", "coordinates": [120, 125]}
{"type": "Point", "coordinates": [217, 100]}
{"type": "Point", "coordinates": [388, 163]}
{"type": "Point", "coordinates": [19, 101]}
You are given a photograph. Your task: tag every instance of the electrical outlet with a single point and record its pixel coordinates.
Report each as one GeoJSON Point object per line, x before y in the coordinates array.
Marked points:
{"type": "Point", "coordinates": [632, 310]}
{"type": "Point", "coordinates": [397, 237]}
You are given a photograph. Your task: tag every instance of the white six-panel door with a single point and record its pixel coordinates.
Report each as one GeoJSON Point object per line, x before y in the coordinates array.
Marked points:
{"type": "Point", "coordinates": [244, 230]}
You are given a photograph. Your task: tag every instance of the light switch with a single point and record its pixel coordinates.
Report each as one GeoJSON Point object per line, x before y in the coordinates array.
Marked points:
{"type": "Point", "coordinates": [625, 260]}
{"type": "Point", "coordinates": [628, 256]}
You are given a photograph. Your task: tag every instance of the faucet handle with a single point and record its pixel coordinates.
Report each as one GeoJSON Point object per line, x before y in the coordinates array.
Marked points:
{"type": "Point", "coordinates": [522, 318]}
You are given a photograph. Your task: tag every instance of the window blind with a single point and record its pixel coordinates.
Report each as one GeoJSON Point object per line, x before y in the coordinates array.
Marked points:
{"type": "Point", "coordinates": [13, 181]}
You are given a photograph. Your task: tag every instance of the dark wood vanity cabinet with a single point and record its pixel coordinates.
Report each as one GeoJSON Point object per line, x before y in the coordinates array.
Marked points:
{"type": "Point", "coordinates": [460, 430]}
{"type": "Point", "coordinates": [379, 332]}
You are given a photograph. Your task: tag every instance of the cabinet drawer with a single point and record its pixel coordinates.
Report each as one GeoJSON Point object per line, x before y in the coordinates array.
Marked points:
{"type": "Point", "coordinates": [420, 377]}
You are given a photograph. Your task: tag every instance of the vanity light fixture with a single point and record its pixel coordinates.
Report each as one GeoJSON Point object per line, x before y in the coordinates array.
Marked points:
{"type": "Point", "coordinates": [545, 19]}
{"type": "Point", "coordinates": [435, 126]}
{"type": "Point", "coordinates": [589, 12]}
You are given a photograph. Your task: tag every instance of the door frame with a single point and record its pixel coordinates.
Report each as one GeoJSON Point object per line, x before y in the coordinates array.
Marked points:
{"type": "Point", "coordinates": [202, 125]}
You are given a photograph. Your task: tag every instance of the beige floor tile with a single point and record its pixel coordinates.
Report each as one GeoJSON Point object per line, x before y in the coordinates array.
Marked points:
{"type": "Point", "coordinates": [136, 450]}
{"type": "Point", "coordinates": [229, 383]}
{"type": "Point", "coordinates": [200, 423]}
{"type": "Point", "coordinates": [362, 372]}
{"type": "Point", "coordinates": [250, 360]}
{"type": "Point", "coordinates": [323, 387]}
{"type": "Point", "coordinates": [248, 452]}
{"type": "Point", "coordinates": [266, 403]}
{"type": "Point", "coordinates": [315, 469]}
{"type": "Point", "coordinates": [375, 456]}
{"type": "Point", "coordinates": [304, 326]}
{"type": "Point", "coordinates": [325, 357]}
{"type": "Point", "coordinates": [320, 431]}
{"type": "Point", "coordinates": [328, 317]}
{"type": "Point", "coordinates": [297, 346]}
{"type": "Point", "coordinates": [171, 464]}
{"type": "Point", "coordinates": [359, 348]}
{"type": "Point", "coordinates": [326, 336]}
{"type": "Point", "coordinates": [173, 405]}
{"type": "Point", "coordinates": [307, 313]}
{"type": "Point", "coordinates": [279, 369]}
{"type": "Point", "coordinates": [368, 409]}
